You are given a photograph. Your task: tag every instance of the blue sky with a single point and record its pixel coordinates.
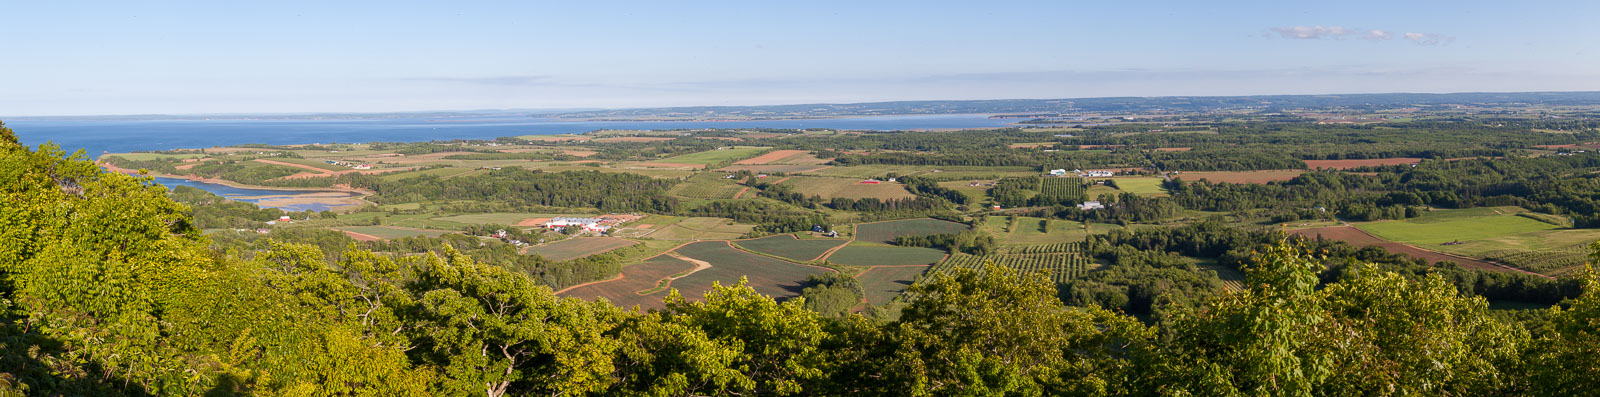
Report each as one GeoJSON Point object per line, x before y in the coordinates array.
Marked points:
{"type": "Point", "coordinates": [69, 58]}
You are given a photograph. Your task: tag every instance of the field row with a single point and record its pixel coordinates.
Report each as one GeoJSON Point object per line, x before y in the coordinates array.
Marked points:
{"type": "Point", "coordinates": [1062, 266]}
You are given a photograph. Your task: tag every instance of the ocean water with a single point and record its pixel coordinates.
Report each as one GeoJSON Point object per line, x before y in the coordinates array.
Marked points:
{"type": "Point", "coordinates": [236, 193]}
{"type": "Point", "coordinates": [96, 137]}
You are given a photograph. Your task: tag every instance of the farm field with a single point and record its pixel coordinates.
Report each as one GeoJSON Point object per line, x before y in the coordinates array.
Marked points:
{"type": "Point", "coordinates": [1061, 266]}
{"type": "Point", "coordinates": [883, 283]}
{"type": "Point", "coordinates": [644, 276]}
{"type": "Point", "coordinates": [1359, 238]}
{"type": "Point", "coordinates": [1348, 164]}
{"type": "Point", "coordinates": [713, 156]}
{"type": "Point", "coordinates": [772, 157]}
{"type": "Point", "coordinates": [886, 232]}
{"type": "Point", "coordinates": [708, 185]}
{"type": "Point", "coordinates": [772, 277]}
{"type": "Point", "coordinates": [1429, 232]}
{"type": "Point", "coordinates": [1029, 231]}
{"type": "Point", "coordinates": [1240, 176]}
{"type": "Point", "coordinates": [788, 247]}
{"type": "Point", "coordinates": [850, 188]}
{"type": "Point", "coordinates": [498, 218]}
{"type": "Point", "coordinates": [579, 247]}
{"type": "Point", "coordinates": [1142, 185]}
{"type": "Point", "coordinates": [701, 228]}
{"type": "Point", "coordinates": [856, 255]}
{"type": "Point", "coordinates": [770, 168]}
{"type": "Point", "coordinates": [391, 232]}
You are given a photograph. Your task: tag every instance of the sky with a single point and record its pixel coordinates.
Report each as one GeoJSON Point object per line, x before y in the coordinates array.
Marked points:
{"type": "Point", "coordinates": [119, 57]}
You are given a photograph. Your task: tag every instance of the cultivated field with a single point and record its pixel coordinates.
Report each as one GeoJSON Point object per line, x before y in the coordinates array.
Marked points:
{"type": "Point", "coordinates": [886, 232]}
{"type": "Point", "coordinates": [770, 168]}
{"type": "Point", "coordinates": [579, 247]}
{"type": "Point", "coordinates": [788, 247]}
{"type": "Point", "coordinates": [1240, 176]}
{"type": "Point", "coordinates": [1061, 266]}
{"type": "Point", "coordinates": [641, 277]}
{"type": "Point", "coordinates": [714, 156]}
{"type": "Point", "coordinates": [1141, 185]}
{"type": "Point", "coordinates": [850, 188]}
{"type": "Point", "coordinates": [773, 157]}
{"type": "Point", "coordinates": [707, 185]}
{"type": "Point", "coordinates": [884, 283]}
{"type": "Point", "coordinates": [1446, 228]}
{"type": "Point", "coordinates": [497, 218]}
{"type": "Point", "coordinates": [776, 278]}
{"type": "Point", "coordinates": [855, 255]}
{"type": "Point", "coordinates": [391, 232]}
{"type": "Point", "coordinates": [1359, 238]}
{"type": "Point", "coordinates": [700, 228]}
{"type": "Point", "coordinates": [1347, 164]}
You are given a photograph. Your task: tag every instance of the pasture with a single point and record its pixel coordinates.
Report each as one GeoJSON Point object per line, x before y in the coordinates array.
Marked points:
{"type": "Point", "coordinates": [1141, 185]}
{"type": "Point", "coordinates": [776, 278]}
{"type": "Point", "coordinates": [1430, 232]}
{"type": "Point", "coordinates": [856, 255]}
{"type": "Point", "coordinates": [714, 156]}
{"type": "Point", "coordinates": [574, 248]}
{"type": "Point", "coordinates": [850, 188]}
{"type": "Point", "coordinates": [788, 247]}
{"type": "Point", "coordinates": [886, 232]}
{"type": "Point", "coordinates": [706, 185]}
{"type": "Point", "coordinates": [701, 228]}
{"type": "Point", "coordinates": [391, 232]}
{"type": "Point", "coordinates": [883, 283]}
{"type": "Point", "coordinates": [642, 277]}
{"type": "Point", "coordinates": [1354, 236]}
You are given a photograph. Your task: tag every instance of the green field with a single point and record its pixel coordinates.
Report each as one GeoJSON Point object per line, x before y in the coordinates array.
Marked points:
{"type": "Point", "coordinates": [701, 228]}
{"type": "Point", "coordinates": [1060, 266]}
{"type": "Point", "coordinates": [715, 156]}
{"type": "Point", "coordinates": [574, 248]}
{"type": "Point", "coordinates": [768, 276]}
{"type": "Point", "coordinates": [851, 188]}
{"type": "Point", "coordinates": [390, 232]}
{"type": "Point", "coordinates": [497, 218]}
{"type": "Point", "coordinates": [855, 255]}
{"type": "Point", "coordinates": [885, 232]}
{"type": "Point", "coordinates": [1443, 228]}
{"type": "Point", "coordinates": [786, 246]}
{"type": "Point", "coordinates": [706, 185]}
{"type": "Point", "coordinates": [884, 283]}
{"type": "Point", "coordinates": [155, 156]}
{"type": "Point", "coordinates": [1149, 186]}
{"type": "Point", "coordinates": [1029, 230]}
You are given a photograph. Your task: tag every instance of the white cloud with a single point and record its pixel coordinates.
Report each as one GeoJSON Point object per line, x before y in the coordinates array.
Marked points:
{"type": "Point", "coordinates": [1428, 38]}
{"type": "Point", "coordinates": [1376, 34]}
{"type": "Point", "coordinates": [1313, 32]}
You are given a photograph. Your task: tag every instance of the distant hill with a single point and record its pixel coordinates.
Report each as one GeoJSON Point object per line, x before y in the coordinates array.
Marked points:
{"type": "Point", "coordinates": [1110, 105]}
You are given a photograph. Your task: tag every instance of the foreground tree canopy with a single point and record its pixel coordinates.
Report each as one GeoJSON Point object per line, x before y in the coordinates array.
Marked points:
{"type": "Point", "coordinates": [107, 288]}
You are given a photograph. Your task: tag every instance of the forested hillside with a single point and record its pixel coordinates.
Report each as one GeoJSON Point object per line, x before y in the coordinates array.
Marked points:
{"type": "Point", "coordinates": [108, 287]}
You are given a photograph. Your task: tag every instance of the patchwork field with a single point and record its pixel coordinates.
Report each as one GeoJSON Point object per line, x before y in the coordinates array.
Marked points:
{"type": "Point", "coordinates": [886, 232]}
{"type": "Point", "coordinates": [699, 228]}
{"type": "Point", "coordinates": [1359, 238]}
{"type": "Point", "coordinates": [1241, 176]}
{"type": "Point", "coordinates": [1347, 164]}
{"type": "Point", "coordinates": [884, 283]}
{"type": "Point", "coordinates": [714, 156]}
{"type": "Point", "coordinates": [390, 232]}
{"type": "Point", "coordinates": [579, 247]}
{"type": "Point", "coordinates": [772, 157]}
{"type": "Point", "coordinates": [1141, 185]}
{"type": "Point", "coordinates": [850, 188]}
{"type": "Point", "coordinates": [1452, 228]}
{"type": "Point", "coordinates": [641, 277]}
{"type": "Point", "coordinates": [768, 276]}
{"type": "Point", "coordinates": [789, 247]}
{"type": "Point", "coordinates": [770, 168]}
{"type": "Point", "coordinates": [856, 255]}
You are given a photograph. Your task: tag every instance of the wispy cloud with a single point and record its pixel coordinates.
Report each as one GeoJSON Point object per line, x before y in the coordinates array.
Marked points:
{"type": "Point", "coordinates": [1428, 38]}
{"type": "Point", "coordinates": [1313, 32]}
{"type": "Point", "coordinates": [1319, 32]}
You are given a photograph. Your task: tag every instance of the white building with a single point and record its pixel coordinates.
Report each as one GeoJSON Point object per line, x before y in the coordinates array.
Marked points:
{"type": "Point", "coordinates": [1090, 205]}
{"type": "Point", "coordinates": [1058, 172]}
{"type": "Point", "coordinates": [591, 224]}
{"type": "Point", "coordinates": [1095, 173]}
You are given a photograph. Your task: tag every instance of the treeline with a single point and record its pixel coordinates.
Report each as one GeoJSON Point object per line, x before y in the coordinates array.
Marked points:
{"type": "Point", "coordinates": [611, 192]}
{"type": "Point", "coordinates": [150, 310]}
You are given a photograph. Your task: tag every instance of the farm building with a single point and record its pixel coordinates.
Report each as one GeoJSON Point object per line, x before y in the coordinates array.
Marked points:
{"type": "Point", "coordinates": [1058, 172]}
{"type": "Point", "coordinates": [1090, 205]}
{"type": "Point", "coordinates": [592, 224]}
{"type": "Point", "coordinates": [1095, 173]}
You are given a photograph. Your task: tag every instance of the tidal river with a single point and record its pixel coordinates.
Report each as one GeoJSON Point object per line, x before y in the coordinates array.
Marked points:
{"type": "Point", "coordinates": [285, 199]}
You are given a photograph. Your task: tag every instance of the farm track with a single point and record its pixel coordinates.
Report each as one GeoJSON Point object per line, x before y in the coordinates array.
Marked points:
{"type": "Point", "coordinates": [698, 266]}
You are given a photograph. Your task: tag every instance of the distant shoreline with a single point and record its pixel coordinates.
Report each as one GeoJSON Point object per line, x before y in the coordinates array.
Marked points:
{"type": "Point", "coordinates": [228, 183]}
